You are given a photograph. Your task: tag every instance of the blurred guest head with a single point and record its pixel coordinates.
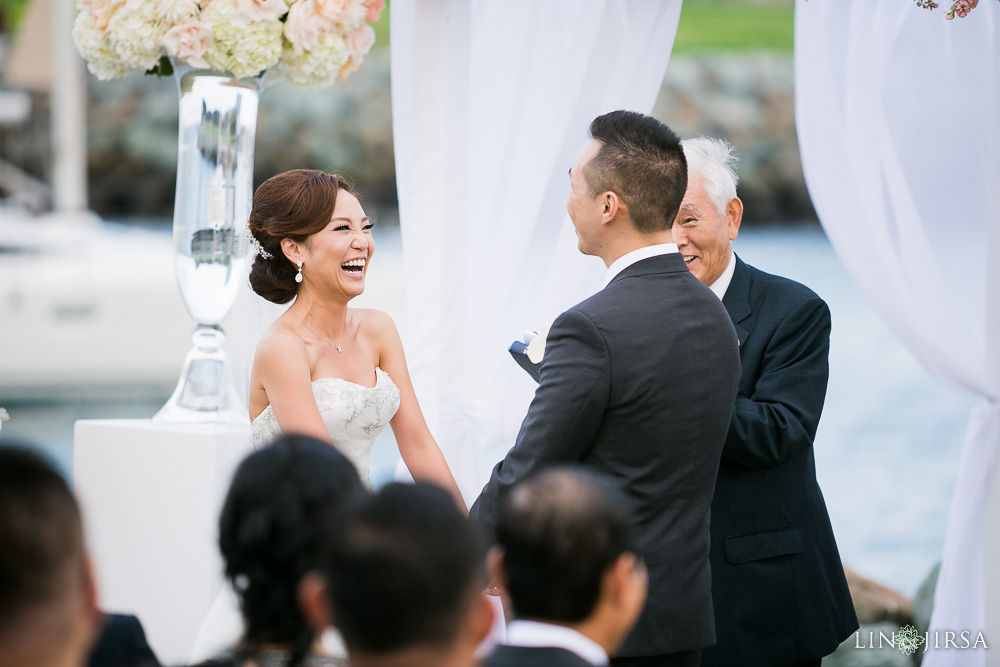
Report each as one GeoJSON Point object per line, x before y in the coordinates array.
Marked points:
{"type": "Point", "coordinates": [564, 555]}
{"type": "Point", "coordinates": [291, 205]}
{"type": "Point", "coordinates": [626, 184]}
{"type": "Point", "coordinates": [48, 612]}
{"type": "Point", "coordinates": [709, 218]}
{"type": "Point", "coordinates": [404, 580]}
{"type": "Point", "coordinates": [271, 533]}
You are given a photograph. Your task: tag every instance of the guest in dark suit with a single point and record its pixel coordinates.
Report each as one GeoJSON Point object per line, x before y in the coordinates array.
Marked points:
{"type": "Point", "coordinates": [565, 560]}
{"type": "Point", "coordinates": [122, 643]}
{"type": "Point", "coordinates": [779, 589]}
{"type": "Point", "coordinates": [403, 581]}
{"type": "Point", "coordinates": [637, 382]}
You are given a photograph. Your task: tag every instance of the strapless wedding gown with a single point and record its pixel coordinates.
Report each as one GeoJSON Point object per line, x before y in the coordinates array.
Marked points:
{"type": "Point", "coordinates": [354, 415]}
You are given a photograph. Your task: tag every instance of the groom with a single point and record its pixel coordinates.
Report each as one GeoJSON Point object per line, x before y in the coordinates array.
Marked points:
{"type": "Point", "coordinates": [638, 381]}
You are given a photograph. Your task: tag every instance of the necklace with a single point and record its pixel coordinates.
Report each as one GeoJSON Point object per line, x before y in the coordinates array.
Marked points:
{"type": "Point", "coordinates": [338, 348]}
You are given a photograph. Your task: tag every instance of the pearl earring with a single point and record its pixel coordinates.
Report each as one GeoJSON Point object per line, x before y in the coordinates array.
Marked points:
{"type": "Point", "coordinates": [298, 276]}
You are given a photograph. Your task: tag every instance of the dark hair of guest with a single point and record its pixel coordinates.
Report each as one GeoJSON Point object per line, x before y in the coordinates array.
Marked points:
{"type": "Point", "coordinates": [404, 570]}
{"type": "Point", "coordinates": [294, 205]}
{"type": "Point", "coordinates": [270, 532]}
{"type": "Point", "coordinates": [641, 160]}
{"type": "Point", "coordinates": [41, 536]}
{"type": "Point", "coordinates": [560, 531]}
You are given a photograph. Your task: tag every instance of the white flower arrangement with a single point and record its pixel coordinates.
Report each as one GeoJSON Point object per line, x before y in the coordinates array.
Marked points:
{"type": "Point", "coordinates": [312, 42]}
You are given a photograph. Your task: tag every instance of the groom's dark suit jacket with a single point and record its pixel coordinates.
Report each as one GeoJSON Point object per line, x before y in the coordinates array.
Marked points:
{"type": "Point", "coordinates": [778, 585]}
{"type": "Point", "coordinates": [637, 383]}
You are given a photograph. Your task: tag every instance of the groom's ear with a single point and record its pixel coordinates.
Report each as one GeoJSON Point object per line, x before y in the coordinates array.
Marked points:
{"type": "Point", "coordinates": [611, 204]}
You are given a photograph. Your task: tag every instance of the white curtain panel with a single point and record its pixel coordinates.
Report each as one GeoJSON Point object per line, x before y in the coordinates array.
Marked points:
{"type": "Point", "coordinates": [491, 102]}
{"type": "Point", "coordinates": [897, 113]}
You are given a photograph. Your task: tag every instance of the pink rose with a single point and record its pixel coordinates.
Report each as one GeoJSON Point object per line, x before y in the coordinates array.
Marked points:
{"type": "Point", "coordinates": [304, 25]}
{"type": "Point", "coordinates": [189, 42]}
{"type": "Point", "coordinates": [374, 8]}
{"type": "Point", "coordinates": [361, 41]}
{"type": "Point", "coordinates": [102, 11]}
{"type": "Point", "coordinates": [349, 67]}
{"type": "Point", "coordinates": [262, 10]}
{"type": "Point", "coordinates": [331, 10]}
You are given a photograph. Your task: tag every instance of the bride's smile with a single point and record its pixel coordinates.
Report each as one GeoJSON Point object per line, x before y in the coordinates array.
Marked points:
{"type": "Point", "coordinates": [346, 243]}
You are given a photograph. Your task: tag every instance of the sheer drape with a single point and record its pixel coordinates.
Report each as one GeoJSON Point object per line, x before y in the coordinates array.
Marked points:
{"type": "Point", "coordinates": [491, 103]}
{"type": "Point", "coordinates": [897, 112]}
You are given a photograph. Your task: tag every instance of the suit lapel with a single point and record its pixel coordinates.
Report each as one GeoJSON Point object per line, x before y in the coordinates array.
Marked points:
{"type": "Point", "coordinates": [737, 299]}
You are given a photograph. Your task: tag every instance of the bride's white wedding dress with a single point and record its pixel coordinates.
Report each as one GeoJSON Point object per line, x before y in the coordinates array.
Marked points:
{"type": "Point", "coordinates": [354, 415]}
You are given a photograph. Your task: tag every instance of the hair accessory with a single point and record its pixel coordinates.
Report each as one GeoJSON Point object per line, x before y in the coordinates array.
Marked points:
{"type": "Point", "coordinates": [298, 276]}
{"type": "Point", "coordinates": [255, 244]}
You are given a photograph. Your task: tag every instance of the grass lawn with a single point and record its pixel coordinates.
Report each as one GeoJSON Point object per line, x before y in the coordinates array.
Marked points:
{"type": "Point", "coordinates": [11, 12]}
{"type": "Point", "coordinates": [732, 25]}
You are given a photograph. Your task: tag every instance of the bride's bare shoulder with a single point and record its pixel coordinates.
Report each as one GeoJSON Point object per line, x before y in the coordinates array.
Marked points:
{"type": "Point", "coordinates": [374, 320]}
{"type": "Point", "coordinates": [376, 323]}
{"type": "Point", "coordinates": [279, 345]}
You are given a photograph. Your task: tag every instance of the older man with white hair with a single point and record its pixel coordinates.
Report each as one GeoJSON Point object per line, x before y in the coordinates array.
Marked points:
{"type": "Point", "coordinates": [778, 586]}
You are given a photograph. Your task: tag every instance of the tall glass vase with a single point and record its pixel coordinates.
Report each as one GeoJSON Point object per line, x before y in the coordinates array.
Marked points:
{"type": "Point", "coordinates": [217, 129]}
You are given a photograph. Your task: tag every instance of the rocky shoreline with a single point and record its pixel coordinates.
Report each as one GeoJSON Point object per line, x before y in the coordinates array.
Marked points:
{"type": "Point", "coordinates": [132, 133]}
{"type": "Point", "coordinates": [883, 612]}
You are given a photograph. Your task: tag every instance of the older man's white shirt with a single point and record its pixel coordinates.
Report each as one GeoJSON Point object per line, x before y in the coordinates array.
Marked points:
{"type": "Point", "coordinates": [721, 283]}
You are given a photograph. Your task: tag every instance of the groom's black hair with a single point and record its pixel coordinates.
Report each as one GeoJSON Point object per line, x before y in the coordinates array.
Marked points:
{"type": "Point", "coordinates": [404, 570]}
{"type": "Point", "coordinates": [560, 531]}
{"type": "Point", "coordinates": [641, 160]}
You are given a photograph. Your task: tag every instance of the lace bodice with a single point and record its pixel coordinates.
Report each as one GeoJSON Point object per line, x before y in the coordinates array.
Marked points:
{"type": "Point", "coordinates": [353, 414]}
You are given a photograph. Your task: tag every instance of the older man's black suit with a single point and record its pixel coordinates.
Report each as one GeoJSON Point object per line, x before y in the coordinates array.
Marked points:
{"type": "Point", "coordinates": [777, 581]}
{"type": "Point", "coordinates": [638, 383]}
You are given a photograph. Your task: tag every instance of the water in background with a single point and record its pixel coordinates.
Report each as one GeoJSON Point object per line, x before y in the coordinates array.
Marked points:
{"type": "Point", "coordinates": [888, 444]}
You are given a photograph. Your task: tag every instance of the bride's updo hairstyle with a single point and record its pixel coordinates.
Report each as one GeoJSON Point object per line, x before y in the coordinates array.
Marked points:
{"type": "Point", "coordinates": [291, 205]}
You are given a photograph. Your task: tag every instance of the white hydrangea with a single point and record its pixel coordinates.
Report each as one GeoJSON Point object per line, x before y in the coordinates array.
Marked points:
{"type": "Point", "coordinates": [96, 50]}
{"type": "Point", "coordinates": [134, 34]}
{"type": "Point", "coordinates": [178, 12]}
{"type": "Point", "coordinates": [319, 67]}
{"type": "Point", "coordinates": [242, 47]}
{"type": "Point", "coordinates": [312, 42]}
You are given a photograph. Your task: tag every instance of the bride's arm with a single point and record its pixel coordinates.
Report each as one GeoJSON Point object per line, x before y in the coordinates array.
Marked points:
{"type": "Point", "coordinates": [420, 452]}
{"type": "Point", "coordinates": [282, 365]}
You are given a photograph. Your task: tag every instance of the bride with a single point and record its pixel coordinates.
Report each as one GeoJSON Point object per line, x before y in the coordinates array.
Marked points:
{"type": "Point", "coordinates": [323, 369]}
